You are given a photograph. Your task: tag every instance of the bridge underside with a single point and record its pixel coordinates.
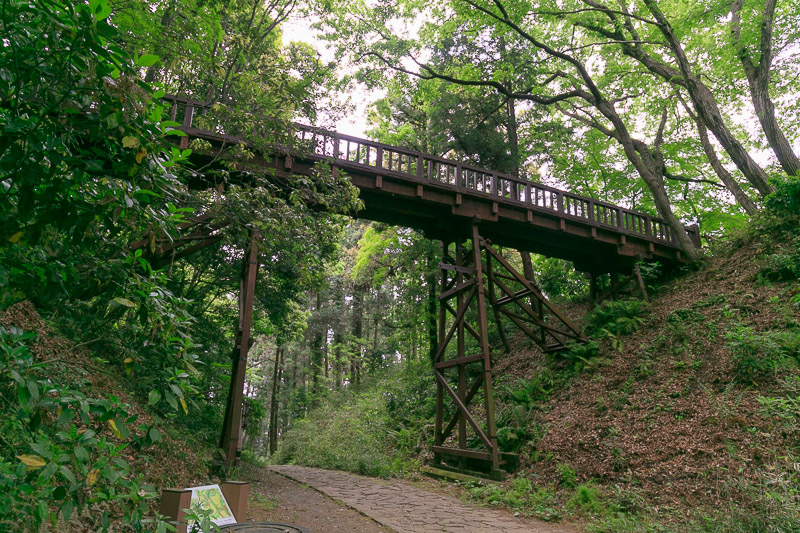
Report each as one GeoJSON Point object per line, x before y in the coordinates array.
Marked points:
{"type": "Point", "coordinates": [475, 278]}
{"type": "Point", "coordinates": [472, 212]}
{"type": "Point", "coordinates": [443, 213]}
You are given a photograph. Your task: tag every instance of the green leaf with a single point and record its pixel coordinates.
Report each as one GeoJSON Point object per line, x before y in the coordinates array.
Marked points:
{"type": "Point", "coordinates": [125, 302]}
{"type": "Point", "coordinates": [100, 9]}
{"type": "Point", "coordinates": [81, 454]}
{"type": "Point", "coordinates": [66, 510]}
{"type": "Point", "coordinates": [68, 475]}
{"type": "Point", "coordinates": [171, 400]}
{"type": "Point", "coordinates": [147, 60]}
{"type": "Point", "coordinates": [154, 397]}
{"type": "Point", "coordinates": [130, 142]}
{"type": "Point", "coordinates": [155, 435]}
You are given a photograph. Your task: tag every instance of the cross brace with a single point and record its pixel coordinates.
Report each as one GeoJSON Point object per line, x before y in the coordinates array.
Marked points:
{"type": "Point", "coordinates": [475, 276]}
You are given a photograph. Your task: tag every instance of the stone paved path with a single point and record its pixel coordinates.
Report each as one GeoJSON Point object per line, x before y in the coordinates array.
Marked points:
{"type": "Point", "coordinates": [409, 509]}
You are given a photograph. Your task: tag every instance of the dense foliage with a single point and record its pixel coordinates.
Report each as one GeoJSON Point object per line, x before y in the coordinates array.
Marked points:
{"type": "Point", "coordinates": [662, 107]}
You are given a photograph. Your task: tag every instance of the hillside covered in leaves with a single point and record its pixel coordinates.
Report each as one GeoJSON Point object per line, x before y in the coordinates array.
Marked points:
{"type": "Point", "coordinates": [122, 245]}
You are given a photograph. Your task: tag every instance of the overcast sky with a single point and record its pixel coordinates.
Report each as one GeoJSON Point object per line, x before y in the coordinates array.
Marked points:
{"type": "Point", "coordinates": [297, 28]}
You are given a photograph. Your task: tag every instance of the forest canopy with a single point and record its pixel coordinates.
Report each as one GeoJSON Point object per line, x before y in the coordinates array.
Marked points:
{"type": "Point", "coordinates": [684, 110]}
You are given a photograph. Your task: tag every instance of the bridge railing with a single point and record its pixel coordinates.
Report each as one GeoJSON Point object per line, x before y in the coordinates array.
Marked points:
{"type": "Point", "coordinates": [426, 168]}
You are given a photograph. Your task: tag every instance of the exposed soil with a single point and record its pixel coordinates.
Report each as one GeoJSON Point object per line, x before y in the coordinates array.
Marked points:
{"type": "Point", "coordinates": [275, 498]}
{"type": "Point", "coordinates": [668, 415]}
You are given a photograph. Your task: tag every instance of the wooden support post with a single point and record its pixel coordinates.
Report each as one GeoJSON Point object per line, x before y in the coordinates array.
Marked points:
{"type": "Point", "coordinates": [231, 440]}
{"type": "Point", "coordinates": [236, 493]}
{"type": "Point", "coordinates": [640, 282]}
{"type": "Point", "coordinates": [438, 438]}
{"type": "Point", "coordinates": [487, 356]}
{"type": "Point", "coordinates": [174, 503]}
{"type": "Point", "coordinates": [461, 303]}
{"type": "Point", "coordinates": [493, 303]}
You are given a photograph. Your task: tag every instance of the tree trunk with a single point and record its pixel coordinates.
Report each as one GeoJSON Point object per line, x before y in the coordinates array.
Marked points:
{"type": "Point", "coordinates": [706, 106]}
{"type": "Point", "coordinates": [727, 179]}
{"type": "Point", "coordinates": [337, 359]}
{"type": "Point", "coordinates": [758, 76]}
{"type": "Point", "coordinates": [166, 22]}
{"type": "Point", "coordinates": [358, 332]}
{"type": "Point", "coordinates": [273, 404]}
{"type": "Point", "coordinates": [765, 111]}
{"type": "Point", "coordinates": [650, 168]}
{"type": "Point", "coordinates": [513, 136]}
{"type": "Point", "coordinates": [432, 317]}
{"type": "Point", "coordinates": [316, 355]}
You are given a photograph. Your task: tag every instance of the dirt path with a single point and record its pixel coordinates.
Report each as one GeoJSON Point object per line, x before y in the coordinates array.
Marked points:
{"type": "Point", "coordinates": [396, 505]}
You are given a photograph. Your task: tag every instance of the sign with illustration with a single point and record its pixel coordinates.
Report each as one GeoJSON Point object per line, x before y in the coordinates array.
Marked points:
{"type": "Point", "coordinates": [209, 499]}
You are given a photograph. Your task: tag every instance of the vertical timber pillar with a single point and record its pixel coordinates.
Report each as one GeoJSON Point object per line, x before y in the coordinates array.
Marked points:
{"type": "Point", "coordinates": [463, 328]}
{"type": "Point", "coordinates": [231, 440]}
{"type": "Point", "coordinates": [438, 438]}
{"type": "Point", "coordinates": [485, 350]}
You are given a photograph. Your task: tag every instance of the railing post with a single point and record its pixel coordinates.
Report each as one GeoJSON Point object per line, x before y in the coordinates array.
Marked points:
{"type": "Point", "coordinates": [187, 123]}
{"type": "Point", "coordinates": [592, 215]}
{"type": "Point", "coordinates": [379, 158]}
{"type": "Point", "coordinates": [560, 202]}
{"type": "Point", "coordinates": [459, 174]}
{"type": "Point", "coordinates": [335, 145]}
{"type": "Point", "coordinates": [494, 184]}
{"type": "Point", "coordinates": [419, 167]}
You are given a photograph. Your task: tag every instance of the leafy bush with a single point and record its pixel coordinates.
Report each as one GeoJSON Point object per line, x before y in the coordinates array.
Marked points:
{"type": "Point", "coordinates": [587, 500]}
{"type": "Point", "coordinates": [514, 423]}
{"type": "Point", "coordinates": [760, 356]}
{"type": "Point", "coordinates": [616, 318]}
{"type": "Point", "coordinates": [63, 453]}
{"type": "Point", "coordinates": [783, 266]}
{"type": "Point", "coordinates": [786, 407]}
{"type": "Point", "coordinates": [371, 431]}
{"type": "Point", "coordinates": [520, 495]}
{"type": "Point", "coordinates": [568, 475]}
{"type": "Point", "coordinates": [786, 198]}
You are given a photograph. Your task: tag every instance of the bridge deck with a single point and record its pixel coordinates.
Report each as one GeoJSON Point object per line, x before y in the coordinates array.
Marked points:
{"type": "Point", "coordinates": [441, 197]}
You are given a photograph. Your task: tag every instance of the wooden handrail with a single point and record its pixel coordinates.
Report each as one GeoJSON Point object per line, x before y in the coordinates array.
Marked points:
{"type": "Point", "coordinates": [417, 166]}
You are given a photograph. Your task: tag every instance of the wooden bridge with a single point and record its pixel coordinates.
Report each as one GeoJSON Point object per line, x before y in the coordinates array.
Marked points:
{"type": "Point", "coordinates": [472, 211]}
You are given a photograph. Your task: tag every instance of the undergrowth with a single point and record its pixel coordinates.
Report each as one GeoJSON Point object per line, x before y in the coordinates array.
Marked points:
{"type": "Point", "coordinates": [65, 454]}
{"type": "Point", "coordinates": [377, 429]}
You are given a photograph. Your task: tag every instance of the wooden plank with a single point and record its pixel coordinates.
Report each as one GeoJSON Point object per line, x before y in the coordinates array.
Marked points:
{"type": "Point", "coordinates": [458, 288]}
{"type": "Point", "coordinates": [457, 268]}
{"type": "Point", "coordinates": [463, 409]}
{"type": "Point", "coordinates": [473, 454]}
{"type": "Point", "coordinates": [458, 361]}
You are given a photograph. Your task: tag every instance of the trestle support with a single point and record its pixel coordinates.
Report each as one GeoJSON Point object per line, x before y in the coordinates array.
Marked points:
{"type": "Point", "coordinates": [474, 277]}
